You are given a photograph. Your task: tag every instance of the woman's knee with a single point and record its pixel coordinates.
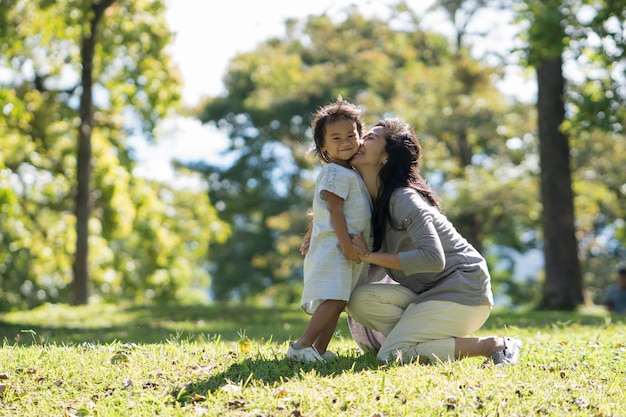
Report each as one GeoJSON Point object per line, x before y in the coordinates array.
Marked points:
{"type": "Point", "coordinates": [360, 298]}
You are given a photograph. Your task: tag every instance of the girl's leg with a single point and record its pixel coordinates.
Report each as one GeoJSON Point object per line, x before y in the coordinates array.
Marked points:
{"type": "Point", "coordinates": [322, 325]}
{"type": "Point", "coordinates": [323, 339]}
{"type": "Point", "coordinates": [430, 330]}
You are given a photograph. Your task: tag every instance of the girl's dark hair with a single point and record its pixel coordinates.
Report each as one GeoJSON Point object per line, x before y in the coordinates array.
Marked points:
{"type": "Point", "coordinates": [329, 114]}
{"type": "Point", "coordinates": [401, 170]}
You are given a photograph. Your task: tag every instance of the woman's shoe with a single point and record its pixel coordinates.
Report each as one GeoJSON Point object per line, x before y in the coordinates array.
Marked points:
{"type": "Point", "coordinates": [510, 354]}
{"type": "Point", "coordinates": [307, 354]}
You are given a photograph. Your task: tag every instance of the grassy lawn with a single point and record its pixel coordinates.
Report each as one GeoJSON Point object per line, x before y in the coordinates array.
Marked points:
{"type": "Point", "coordinates": [221, 360]}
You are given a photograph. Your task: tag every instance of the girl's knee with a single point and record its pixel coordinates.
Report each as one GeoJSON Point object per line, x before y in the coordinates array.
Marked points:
{"type": "Point", "coordinates": [333, 305]}
{"type": "Point", "coordinates": [329, 302]}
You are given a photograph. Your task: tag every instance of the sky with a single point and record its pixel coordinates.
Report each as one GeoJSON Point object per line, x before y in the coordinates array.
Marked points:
{"type": "Point", "coordinates": [207, 37]}
{"type": "Point", "coordinates": [237, 26]}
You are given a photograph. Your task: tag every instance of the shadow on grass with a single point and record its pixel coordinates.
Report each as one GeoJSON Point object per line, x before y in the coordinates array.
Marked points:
{"type": "Point", "coordinates": [272, 372]}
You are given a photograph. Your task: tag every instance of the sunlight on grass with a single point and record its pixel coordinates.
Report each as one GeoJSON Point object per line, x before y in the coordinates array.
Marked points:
{"type": "Point", "coordinates": [230, 360]}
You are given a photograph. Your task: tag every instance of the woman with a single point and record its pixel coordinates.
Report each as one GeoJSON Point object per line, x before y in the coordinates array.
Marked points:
{"type": "Point", "coordinates": [445, 289]}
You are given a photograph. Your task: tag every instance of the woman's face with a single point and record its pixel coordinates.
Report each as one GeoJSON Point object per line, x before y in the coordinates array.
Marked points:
{"type": "Point", "coordinates": [372, 152]}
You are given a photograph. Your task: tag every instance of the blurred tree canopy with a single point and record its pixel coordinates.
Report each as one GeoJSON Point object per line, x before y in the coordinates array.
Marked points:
{"type": "Point", "coordinates": [596, 123]}
{"type": "Point", "coordinates": [577, 112]}
{"type": "Point", "coordinates": [480, 147]}
{"type": "Point", "coordinates": [147, 241]}
{"type": "Point", "coordinates": [239, 236]}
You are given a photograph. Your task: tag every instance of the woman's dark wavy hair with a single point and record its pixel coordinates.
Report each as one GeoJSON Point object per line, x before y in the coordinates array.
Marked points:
{"type": "Point", "coordinates": [401, 170]}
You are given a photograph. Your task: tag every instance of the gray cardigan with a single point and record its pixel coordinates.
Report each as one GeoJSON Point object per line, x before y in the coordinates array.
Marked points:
{"type": "Point", "coordinates": [437, 262]}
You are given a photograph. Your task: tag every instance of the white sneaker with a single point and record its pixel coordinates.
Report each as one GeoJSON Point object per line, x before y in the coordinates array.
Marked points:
{"type": "Point", "coordinates": [308, 354]}
{"type": "Point", "coordinates": [330, 356]}
{"type": "Point", "coordinates": [510, 354]}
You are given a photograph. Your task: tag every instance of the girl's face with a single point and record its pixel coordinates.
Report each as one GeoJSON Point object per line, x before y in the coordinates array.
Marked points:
{"type": "Point", "coordinates": [341, 141]}
{"type": "Point", "coordinates": [372, 152]}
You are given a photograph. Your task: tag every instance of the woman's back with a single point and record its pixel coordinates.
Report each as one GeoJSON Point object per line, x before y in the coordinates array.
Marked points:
{"type": "Point", "coordinates": [438, 263]}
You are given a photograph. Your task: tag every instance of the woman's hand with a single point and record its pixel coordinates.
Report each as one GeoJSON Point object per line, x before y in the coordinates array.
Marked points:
{"type": "Point", "coordinates": [386, 260]}
{"type": "Point", "coordinates": [360, 245]}
{"type": "Point", "coordinates": [306, 241]}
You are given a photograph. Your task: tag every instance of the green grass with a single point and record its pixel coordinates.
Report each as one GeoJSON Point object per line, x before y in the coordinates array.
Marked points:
{"type": "Point", "coordinates": [222, 360]}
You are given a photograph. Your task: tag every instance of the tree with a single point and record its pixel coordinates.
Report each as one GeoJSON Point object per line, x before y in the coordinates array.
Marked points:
{"type": "Point", "coordinates": [407, 72]}
{"type": "Point", "coordinates": [88, 47]}
{"type": "Point", "coordinates": [597, 123]}
{"type": "Point", "coordinates": [147, 241]}
{"type": "Point", "coordinates": [563, 284]}
{"type": "Point", "coordinates": [557, 30]}
{"type": "Point", "coordinates": [471, 115]}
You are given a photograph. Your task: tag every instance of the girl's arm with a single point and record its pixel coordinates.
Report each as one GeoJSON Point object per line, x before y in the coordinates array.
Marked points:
{"type": "Point", "coordinates": [338, 219]}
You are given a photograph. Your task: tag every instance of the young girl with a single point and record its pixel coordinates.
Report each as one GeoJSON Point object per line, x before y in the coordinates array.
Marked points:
{"type": "Point", "coordinates": [341, 208]}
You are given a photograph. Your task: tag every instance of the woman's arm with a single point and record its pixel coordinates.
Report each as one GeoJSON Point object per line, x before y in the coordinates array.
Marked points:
{"type": "Point", "coordinates": [426, 253]}
{"type": "Point", "coordinates": [417, 219]}
{"type": "Point", "coordinates": [386, 260]}
{"type": "Point", "coordinates": [338, 219]}
{"type": "Point", "coordinates": [306, 241]}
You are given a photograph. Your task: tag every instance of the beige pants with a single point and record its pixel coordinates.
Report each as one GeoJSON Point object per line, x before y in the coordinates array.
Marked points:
{"type": "Point", "coordinates": [424, 331]}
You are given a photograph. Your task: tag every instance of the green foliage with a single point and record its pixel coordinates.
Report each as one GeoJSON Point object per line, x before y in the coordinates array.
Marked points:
{"type": "Point", "coordinates": [571, 364]}
{"type": "Point", "coordinates": [598, 40]}
{"type": "Point", "coordinates": [591, 41]}
{"type": "Point", "coordinates": [546, 36]}
{"type": "Point", "coordinates": [591, 33]}
{"type": "Point", "coordinates": [472, 137]}
{"type": "Point", "coordinates": [599, 186]}
{"type": "Point", "coordinates": [148, 241]}
{"type": "Point", "coordinates": [134, 66]}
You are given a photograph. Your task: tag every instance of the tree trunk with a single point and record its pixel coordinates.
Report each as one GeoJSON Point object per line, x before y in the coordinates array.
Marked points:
{"type": "Point", "coordinates": [563, 279]}
{"type": "Point", "coordinates": [80, 285]}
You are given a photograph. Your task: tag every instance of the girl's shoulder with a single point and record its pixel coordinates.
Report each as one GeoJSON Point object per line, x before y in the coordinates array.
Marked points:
{"type": "Point", "coordinates": [340, 167]}
{"type": "Point", "coordinates": [338, 170]}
